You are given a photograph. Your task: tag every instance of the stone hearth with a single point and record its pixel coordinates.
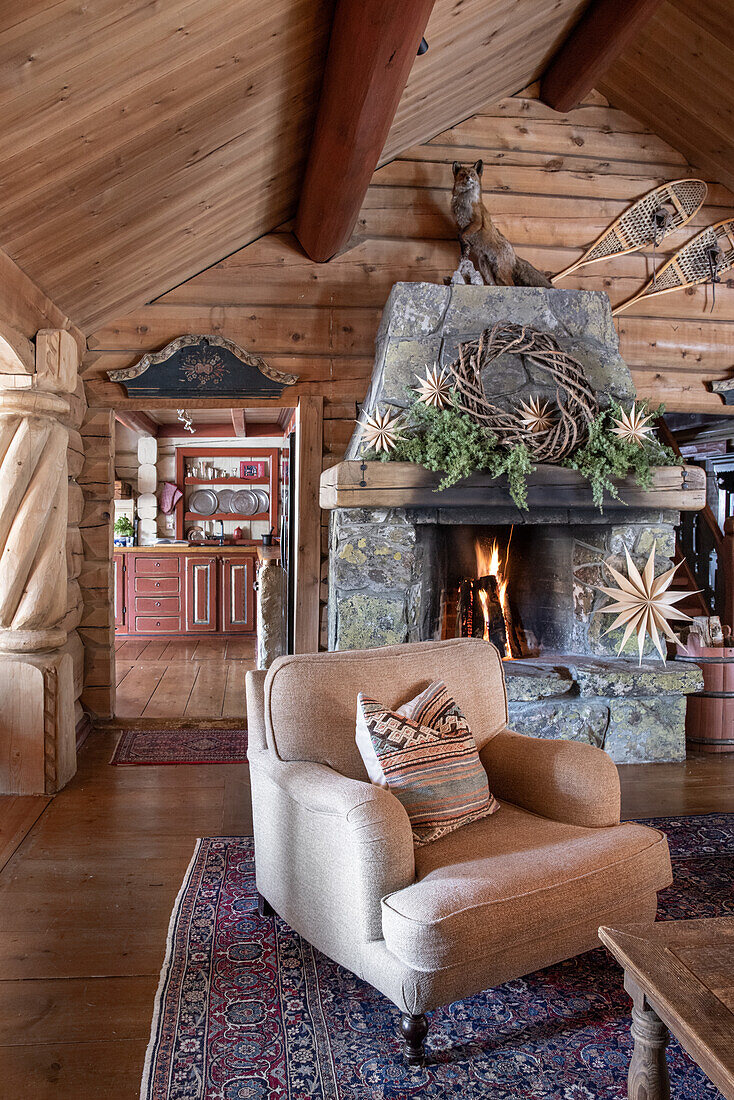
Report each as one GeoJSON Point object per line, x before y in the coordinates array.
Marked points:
{"type": "Point", "coordinates": [391, 567]}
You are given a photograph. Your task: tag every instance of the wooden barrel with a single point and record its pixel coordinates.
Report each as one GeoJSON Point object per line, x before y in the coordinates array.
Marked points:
{"type": "Point", "coordinates": [710, 713]}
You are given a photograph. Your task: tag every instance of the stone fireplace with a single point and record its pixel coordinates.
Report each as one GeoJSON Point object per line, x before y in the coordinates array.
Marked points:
{"type": "Point", "coordinates": [408, 563]}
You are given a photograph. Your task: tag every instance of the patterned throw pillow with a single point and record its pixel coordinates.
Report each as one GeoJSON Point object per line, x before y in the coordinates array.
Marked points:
{"type": "Point", "coordinates": [425, 753]}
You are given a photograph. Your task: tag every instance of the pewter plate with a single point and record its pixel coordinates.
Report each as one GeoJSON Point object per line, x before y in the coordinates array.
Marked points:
{"type": "Point", "coordinates": [263, 499]}
{"type": "Point", "coordinates": [245, 502]}
{"type": "Point", "coordinates": [225, 500]}
{"type": "Point", "coordinates": [203, 502]}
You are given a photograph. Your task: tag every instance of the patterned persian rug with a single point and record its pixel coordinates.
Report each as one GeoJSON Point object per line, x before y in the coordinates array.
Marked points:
{"type": "Point", "coordinates": [246, 1010]}
{"type": "Point", "coordinates": [181, 746]}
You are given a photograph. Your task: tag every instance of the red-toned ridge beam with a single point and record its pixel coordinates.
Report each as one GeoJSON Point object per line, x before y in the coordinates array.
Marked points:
{"type": "Point", "coordinates": [138, 422]}
{"type": "Point", "coordinates": [371, 51]}
{"type": "Point", "coordinates": [604, 30]}
{"type": "Point", "coordinates": [223, 429]}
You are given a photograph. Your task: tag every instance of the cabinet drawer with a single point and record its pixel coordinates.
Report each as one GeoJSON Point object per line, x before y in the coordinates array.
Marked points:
{"type": "Point", "coordinates": [166, 605]}
{"type": "Point", "coordinates": [147, 563]}
{"type": "Point", "coordinates": [152, 586]}
{"type": "Point", "coordinates": [161, 624]}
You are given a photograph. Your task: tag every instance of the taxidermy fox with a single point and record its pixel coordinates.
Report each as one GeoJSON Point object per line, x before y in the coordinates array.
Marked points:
{"type": "Point", "coordinates": [481, 240]}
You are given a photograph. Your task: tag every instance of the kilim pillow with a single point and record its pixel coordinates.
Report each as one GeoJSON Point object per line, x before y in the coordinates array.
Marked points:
{"type": "Point", "coordinates": [425, 753]}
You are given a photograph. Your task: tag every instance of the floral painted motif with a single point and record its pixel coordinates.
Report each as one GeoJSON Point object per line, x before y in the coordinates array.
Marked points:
{"type": "Point", "coordinates": [247, 1010]}
{"type": "Point", "coordinates": [203, 367]}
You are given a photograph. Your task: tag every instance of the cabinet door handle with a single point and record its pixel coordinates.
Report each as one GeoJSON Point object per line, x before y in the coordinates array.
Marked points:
{"type": "Point", "coordinates": [158, 603]}
{"type": "Point", "coordinates": [157, 624]}
{"type": "Point", "coordinates": [157, 565]}
{"type": "Point", "coordinates": [157, 584]}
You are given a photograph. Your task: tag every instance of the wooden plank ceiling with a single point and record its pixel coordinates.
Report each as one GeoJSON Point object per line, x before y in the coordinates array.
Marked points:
{"type": "Point", "coordinates": [678, 78]}
{"type": "Point", "coordinates": [552, 182]}
{"type": "Point", "coordinates": [143, 142]}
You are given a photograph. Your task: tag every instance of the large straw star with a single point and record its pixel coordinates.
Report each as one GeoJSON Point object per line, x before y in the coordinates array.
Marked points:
{"type": "Point", "coordinates": [435, 388]}
{"type": "Point", "coordinates": [536, 417]}
{"type": "Point", "coordinates": [643, 604]}
{"type": "Point", "coordinates": [381, 431]}
{"type": "Point", "coordinates": [634, 426]}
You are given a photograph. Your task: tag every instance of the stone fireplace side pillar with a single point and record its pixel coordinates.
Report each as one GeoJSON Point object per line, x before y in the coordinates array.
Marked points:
{"type": "Point", "coordinates": [37, 728]}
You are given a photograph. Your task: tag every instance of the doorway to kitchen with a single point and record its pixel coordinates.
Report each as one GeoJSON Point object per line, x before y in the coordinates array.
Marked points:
{"type": "Point", "coordinates": [203, 498]}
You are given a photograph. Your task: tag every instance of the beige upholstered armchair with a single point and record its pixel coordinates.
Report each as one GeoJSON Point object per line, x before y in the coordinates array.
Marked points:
{"type": "Point", "coordinates": [496, 899]}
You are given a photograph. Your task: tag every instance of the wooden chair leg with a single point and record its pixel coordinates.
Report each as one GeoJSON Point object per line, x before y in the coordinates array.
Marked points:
{"type": "Point", "coordinates": [264, 907]}
{"type": "Point", "coordinates": [414, 1030]}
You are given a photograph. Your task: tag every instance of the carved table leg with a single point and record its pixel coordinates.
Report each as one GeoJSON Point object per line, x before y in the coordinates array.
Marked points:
{"type": "Point", "coordinates": [648, 1072]}
{"type": "Point", "coordinates": [414, 1030]}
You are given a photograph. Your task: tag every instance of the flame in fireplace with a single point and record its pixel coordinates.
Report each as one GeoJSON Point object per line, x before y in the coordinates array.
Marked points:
{"type": "Point", "coordinates": [489, 564]}
{"type": "Point", "coordinates": [484, 601]}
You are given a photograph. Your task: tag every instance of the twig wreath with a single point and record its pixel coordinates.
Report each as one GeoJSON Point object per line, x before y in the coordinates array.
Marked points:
{"type": "Point", "coordinates": [551, 439]}
{"type": "Point", "coordinates": [451, 428]}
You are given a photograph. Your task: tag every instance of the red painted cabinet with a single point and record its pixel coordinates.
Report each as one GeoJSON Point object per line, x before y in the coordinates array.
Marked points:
{"type": "Point", "coordinates": [237, 594]}
{"type": "Point", "coordinates": [201, 594]}
{"type": "Point", "coordinates": [120, 604]}
{"type": "Point", "coordinates": [174, 594]}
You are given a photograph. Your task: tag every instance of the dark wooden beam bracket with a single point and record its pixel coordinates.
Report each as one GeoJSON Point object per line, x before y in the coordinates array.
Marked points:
{"type": "Point", "coordinates": [602, 33]}
{"type": "Point", "coordinates": [371, 51]}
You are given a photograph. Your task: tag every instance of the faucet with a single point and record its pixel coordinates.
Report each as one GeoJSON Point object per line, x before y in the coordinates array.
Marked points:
{"type": "Point", "coordinates": [221, 531]}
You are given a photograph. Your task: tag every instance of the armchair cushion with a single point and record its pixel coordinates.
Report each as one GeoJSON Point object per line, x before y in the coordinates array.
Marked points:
{"type": "Point", "coordinates": [429, 761]}
{"type": "Point", "coordinates": [564, 780]}
{"type": "Point", "coordinates": [513, 879]}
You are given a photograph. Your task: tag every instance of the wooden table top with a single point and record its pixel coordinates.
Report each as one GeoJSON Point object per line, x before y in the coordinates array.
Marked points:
{"type": "Point", "coordinates": [686, 971]}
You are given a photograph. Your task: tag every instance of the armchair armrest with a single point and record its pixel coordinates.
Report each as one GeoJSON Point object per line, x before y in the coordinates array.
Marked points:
{"type": "Point", "coordinates": [327, 849]}
{"type": "Point", "coordinates": [562, 780]}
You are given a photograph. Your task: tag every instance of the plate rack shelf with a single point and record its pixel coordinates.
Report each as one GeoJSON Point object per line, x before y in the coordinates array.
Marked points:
{"type": "Point", "coordinates": [188, 484]}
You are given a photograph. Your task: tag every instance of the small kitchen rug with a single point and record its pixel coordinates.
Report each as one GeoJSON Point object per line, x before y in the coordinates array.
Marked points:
{"type": "Point", "coordinates": [181, 746]}
{"type": "Point", "coordinates": [247, 1010]}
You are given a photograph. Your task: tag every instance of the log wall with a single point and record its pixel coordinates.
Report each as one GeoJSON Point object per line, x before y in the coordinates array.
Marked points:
{"type": "Point", "coordinates": [553, 183]}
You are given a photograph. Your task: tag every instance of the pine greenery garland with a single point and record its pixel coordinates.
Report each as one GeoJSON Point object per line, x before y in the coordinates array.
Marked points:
{"type": "Point", "coordinates": [449, 442]}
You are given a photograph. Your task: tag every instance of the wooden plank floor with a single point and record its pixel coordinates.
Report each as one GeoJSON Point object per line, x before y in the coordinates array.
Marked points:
{"type": "Point", "coordinates": [84, 908]}
{"type": "Point", "coordinates": [162, 678]}
{"type": "Point", "coordinates": [86, 897]}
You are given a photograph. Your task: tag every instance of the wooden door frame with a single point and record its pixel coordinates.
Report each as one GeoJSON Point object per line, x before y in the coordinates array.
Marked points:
{"type": "Point", "coordinates": [307, 536]}
{"type": "Point", "coordinates": [307, 580]}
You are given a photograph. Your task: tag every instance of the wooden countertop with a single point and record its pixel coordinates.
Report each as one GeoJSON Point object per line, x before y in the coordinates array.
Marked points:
{"type": "Point", "coordinates": [190, 548]}
{"type": "Point", "coordinates": [269, 554]}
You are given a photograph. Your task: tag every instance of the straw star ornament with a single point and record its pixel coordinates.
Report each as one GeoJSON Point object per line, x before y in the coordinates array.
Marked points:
{"type": "Point", "coordinates": [381, 431]}
{"type": "Point", "coordinates": [536, 417]}
{"type": "Point", "coordinates": [435, 388]}
{"type": "Point", "coordinates": [634, 426]}
{"type": "Point", "coordinates": [643, 604]}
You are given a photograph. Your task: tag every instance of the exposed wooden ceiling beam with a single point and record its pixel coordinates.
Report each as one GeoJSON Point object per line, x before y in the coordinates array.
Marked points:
{"type": "Point", "coordinates": [138, 422]}
{"type": "Point", "coordinates": [371, 52]}
{"type": "Point", "coordinates": [604, 30]}
{"type": "Point", "coordinates": [239, 423]}
{"type": "Point", "coordinates": [219, 429]}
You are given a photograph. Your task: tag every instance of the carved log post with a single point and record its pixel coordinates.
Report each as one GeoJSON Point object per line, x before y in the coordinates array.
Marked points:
{"type": "Point", "coordinates": [37, 729]}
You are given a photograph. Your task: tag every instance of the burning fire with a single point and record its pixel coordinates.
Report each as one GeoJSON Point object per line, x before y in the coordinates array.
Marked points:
{"type": "Point", "coordinates": [489, 564]}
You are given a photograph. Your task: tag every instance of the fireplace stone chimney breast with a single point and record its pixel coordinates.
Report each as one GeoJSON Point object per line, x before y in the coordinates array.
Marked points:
{"type": "Point", "coordinates": [423, 324]}
{"type": "Point", "coordinates": [390, 568]}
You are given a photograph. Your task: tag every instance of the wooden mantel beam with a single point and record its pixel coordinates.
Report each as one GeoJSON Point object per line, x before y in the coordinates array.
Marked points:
{"type": "Point", "coordinates": [138, 422]}
{"type": "Point", "coordinates": [239, 423]}
{"type": "Point", "coordinates": [604, 30]}
{"type": "Point", "coordinates": [371, 51]}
